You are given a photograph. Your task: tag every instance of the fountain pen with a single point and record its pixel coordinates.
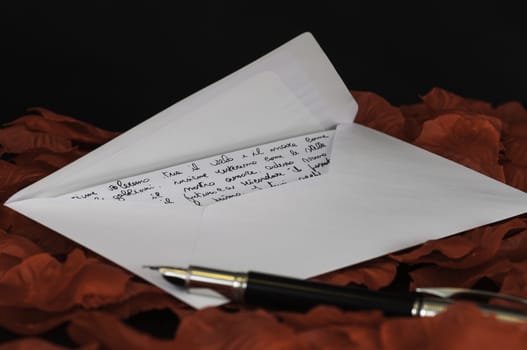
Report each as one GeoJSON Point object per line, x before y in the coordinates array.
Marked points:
{"type": "Point", "coordinates": [261, 289]}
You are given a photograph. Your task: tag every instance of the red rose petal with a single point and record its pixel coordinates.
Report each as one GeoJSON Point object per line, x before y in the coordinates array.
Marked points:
{"type": "Point", "coordinates": [471, 140]}
{"type": "Point", "coordinates": [473, 248]}
{"type": "Point", "coordinates": [461, 327]}
{"type": "Point", "coordinates": [376, 113]}
{"type": "Point", "coordinates": [374, 274]}
{"type": "Point", "coordinates": [214, 329]}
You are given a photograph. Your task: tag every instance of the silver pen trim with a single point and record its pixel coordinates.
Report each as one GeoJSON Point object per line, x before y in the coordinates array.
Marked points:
{"type": "Point", "coordinates": [432, 306]}
{"type": "Point", "coordinates": [450, 292]}
{"type": "Point", "coordinates": [230, 284]}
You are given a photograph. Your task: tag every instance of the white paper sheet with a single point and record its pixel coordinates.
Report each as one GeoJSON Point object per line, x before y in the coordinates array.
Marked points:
{"type": "Point", "coordinates": [379, 194]}
{"type": "Point", "coordinates": [223, 176]}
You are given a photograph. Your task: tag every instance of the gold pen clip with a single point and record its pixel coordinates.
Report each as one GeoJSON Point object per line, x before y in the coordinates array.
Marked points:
{"type": "Point", "coordinates": [446, 292]}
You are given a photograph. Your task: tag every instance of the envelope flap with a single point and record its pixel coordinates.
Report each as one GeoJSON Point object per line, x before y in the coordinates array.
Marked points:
{"type": "Point", "coordinates": [290, 91]}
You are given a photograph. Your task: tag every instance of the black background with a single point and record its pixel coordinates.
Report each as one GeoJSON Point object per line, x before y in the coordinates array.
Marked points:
{"type": "Point", "coordinates": [116, 64]}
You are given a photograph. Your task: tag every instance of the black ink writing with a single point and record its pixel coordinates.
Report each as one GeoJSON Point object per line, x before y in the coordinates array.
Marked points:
{"type": "Point", "coordinates": [314, 147]}
{"type": "Point", "coordinates": [282, 146]}
{"type": "Point", "coordinates": [258, 180]}
{"type": "Point", "coordinates": [199, 185]}
{"type": "Point", "coordinates": [257, 152]}
{"type": "Point", "coordinates": [313, 173]}
{"type": "Point", "coordinates": [190, 178]}
{"type": "Point", "coordinates": [311, 139]}
{"type": "Point", "coordinates": [296, 169]}
{"type": "Point", "coordinates": [131, 192]}
{"type": "Point", "coordinates": [92, 195]}
{"type": "Point", "coordinates": [230, 168]}
{"type": "Point", "coordinates": [239, 176]}
{"type": "Point", "coordinates": [279, 165]}
{"type": "Point", "coordinates": [312, 158]}
{"type": "Point", "coordinates": [168, 173]}
{"type": "Point", "coordinates": [126, 185]}
{"type": "Point", "coordinates": [221, 160]}
{"type": "Point", "coordinates": [269, 159]}
{"type": "Point", "coordinates": [318, 165]}
{"type": "Point", "coordinates": [226, 196]}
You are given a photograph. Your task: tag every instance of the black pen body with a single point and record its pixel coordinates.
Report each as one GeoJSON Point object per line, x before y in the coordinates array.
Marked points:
{"type": "Point", "coordinates": [300, 295]}
{"type": "Point", "coordinates": [286, 293]}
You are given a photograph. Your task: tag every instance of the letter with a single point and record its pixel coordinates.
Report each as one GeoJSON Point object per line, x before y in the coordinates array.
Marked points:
{"type": "Point", "coordinates": [311, 139]}
{"type": "Point", "coordinates": [239, 176]}
{"type": "Point", "coordinates": [268, 159]}
{"type": "Point", "coordinates": [168, 174]}
{"type": "Point", "coordinates": [314, 147]}
{"type": "Point", "coordinates": [221, 160]}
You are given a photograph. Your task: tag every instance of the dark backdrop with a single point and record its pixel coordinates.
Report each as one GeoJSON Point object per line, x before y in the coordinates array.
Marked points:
{"type": "Point", "coordinates": [116, 64]}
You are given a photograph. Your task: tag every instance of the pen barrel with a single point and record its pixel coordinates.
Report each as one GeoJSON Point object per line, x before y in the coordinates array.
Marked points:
{"type": "Point", "coordinates": [301, 295]}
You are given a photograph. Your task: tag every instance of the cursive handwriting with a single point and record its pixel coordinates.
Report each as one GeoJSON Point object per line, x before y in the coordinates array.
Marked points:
{"type": "Point", "coordinates": [168, 174]}
{"type": "Point", "coordinates": [239, 176]}
{"type": "Point", "coordinates": [311, 139]}
{"type": "Point", "coordinates": [226, 196]}
{"type": "Point", "coordinates": [258, 180]}
{"type": "Point", "coordinates": [230, 168]}
{"type": "Point", "coordinates": [131, 192]}
{"type": "Point", "coordinates": [221, 160]}
{"type": "Point", "coordinates": [92, 195]}
{"type": "Point", "coordinates": [126, 185]}
{"type": "Point", "coordinates": [224, 176]}
{"type": "Point", "coordinates": [283, 146]}
{"type": "Point", "coordinates": [277, 165]}
{"type": "Point", "coordinates": [198, 186]}
{"type": "Point", "coordinates": [314, 147]}
{"type": "Point", "coordinates": [190, 178]}
{"type": "Point", "coordinates": [312, 158]}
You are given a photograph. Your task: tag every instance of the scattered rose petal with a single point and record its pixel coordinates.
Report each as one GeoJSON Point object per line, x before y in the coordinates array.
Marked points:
{"type": "Point", "coordinates": [468, 139]}
{"type": "Point", "coordinates": [376, 113]}
{"type": "Point", "coordinates": [213, 329]}
{"type": "Point", "coordinates": [472, 248]}
{"type": "Point", "coordinates": [373, 274]}
{"type": "Point", "coordinates": [462, 327]}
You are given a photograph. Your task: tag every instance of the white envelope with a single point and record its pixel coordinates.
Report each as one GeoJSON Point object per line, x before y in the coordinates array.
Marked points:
{"type": "Point", "coordinates": [379, 195]}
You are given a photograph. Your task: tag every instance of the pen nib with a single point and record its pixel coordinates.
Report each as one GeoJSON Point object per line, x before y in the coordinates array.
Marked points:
{"type": "Point", "coordinates": [176, 275]}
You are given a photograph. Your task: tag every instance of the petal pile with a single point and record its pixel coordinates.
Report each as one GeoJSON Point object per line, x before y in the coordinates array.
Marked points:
{"type": "Point", "coordinates": [51, 285]}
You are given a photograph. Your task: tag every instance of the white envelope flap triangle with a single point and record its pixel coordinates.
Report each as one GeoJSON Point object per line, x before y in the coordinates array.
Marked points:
{"type": "Point", "coordinates": [291, 91]}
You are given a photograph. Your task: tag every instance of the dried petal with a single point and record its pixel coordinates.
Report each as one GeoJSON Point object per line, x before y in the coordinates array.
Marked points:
{"type": "Point", "coordinates": [443, 101]}
{"type": "Point", "coordinates": [472, 248]}
{"type": "Point", "coordinates": [468, 139]}
{"type": "Point", "coordinates": [376, 113]}
{"type": "Point", "coordinates": [374, 274]}
{"type": "Point", "coordinates": [461, 327]}
{"type": "Point", "coordinates": [213, 329]}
